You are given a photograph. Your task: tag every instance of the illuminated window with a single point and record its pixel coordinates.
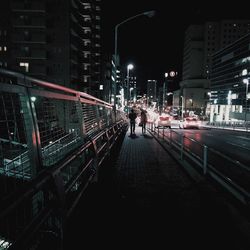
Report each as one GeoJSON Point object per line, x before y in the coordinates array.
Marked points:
{"type": "Point", "coordinates": [86, 54]}
{"type": "Point", "coordinates": [5, 48]}
{"type": "Point", "coordinates": [87, 30]}
{"type": "Point", "coordinates": [25, 65]}
{"type": "Point", "coordinates": [86, 42]}
{"type": "Point", "coordinates": [85, 78]}
{"type": "Point", "coordinates": [86, 66]}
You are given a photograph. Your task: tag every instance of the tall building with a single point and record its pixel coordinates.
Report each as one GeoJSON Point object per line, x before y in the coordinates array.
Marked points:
{"type": "Point", "coordinates": [201, 42]}
{"type": "Point", "coordinates": [54, 40]}
{"type": "Point", "coordinates": [151, 91]}
{"type": "Point", "coordinates": [220, 34]}
{"type": "Point", "coordinates": [193, 53]}
{"type": "Point", "coordinates": [230, 78]}
{"type": "Point", "coordinates": [193, 84]}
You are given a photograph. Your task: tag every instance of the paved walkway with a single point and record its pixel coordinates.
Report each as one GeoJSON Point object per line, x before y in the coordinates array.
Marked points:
{"type": "Point", "coordinates": [145, 199]}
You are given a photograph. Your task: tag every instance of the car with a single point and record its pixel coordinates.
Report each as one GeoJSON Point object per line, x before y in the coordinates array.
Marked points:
{"type": "Point", "coordinates": [190, 122]}
{"type": "Point", "coordinates": [163, 121]}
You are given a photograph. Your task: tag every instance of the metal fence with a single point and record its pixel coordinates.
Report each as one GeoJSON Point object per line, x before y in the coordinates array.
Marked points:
{"type": "Point", "coordinates": [234, 125]}
{"type": "Point", "coordinates": [230, 173]}
{"type": "Point", "coordinates": [52, 141]}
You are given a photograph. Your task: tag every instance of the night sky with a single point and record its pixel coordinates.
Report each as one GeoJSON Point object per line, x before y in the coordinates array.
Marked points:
{"type": "Point", "coordinates": [155, 45]}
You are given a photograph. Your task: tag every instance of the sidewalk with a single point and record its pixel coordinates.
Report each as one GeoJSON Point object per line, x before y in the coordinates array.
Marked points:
{"type": "Point", "coordinates": [145, 199]}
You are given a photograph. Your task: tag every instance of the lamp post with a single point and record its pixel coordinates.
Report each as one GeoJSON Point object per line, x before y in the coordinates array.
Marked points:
{"type": "Point", "coordinates": [246, 81]}
{"type": "Point", "coordinates": [164, 91]}
{"type": "Point", "coordinates": [148, 14]}
{"type": "Point", "coordinates": [129, 67]}
{"type": "Point", "coordinates": [181, 107]}
{"type": "Point", "coordinates": [130, 91]}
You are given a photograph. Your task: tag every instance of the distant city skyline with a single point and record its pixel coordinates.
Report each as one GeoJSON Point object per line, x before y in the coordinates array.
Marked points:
{"type": "Point", "coordinates": [155, 45]}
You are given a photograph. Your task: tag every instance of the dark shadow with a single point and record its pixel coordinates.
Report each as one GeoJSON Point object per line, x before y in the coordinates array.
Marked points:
{"type": "Point", "coordinates": [133, 136]}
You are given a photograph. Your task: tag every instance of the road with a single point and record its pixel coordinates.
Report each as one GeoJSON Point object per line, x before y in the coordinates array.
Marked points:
{"type": "Point", "coordinates": [227, 151]}
{"type": "Point", "coordinates": [234, 144]}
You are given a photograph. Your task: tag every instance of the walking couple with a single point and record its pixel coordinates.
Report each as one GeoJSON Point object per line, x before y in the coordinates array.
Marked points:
{"type": "Point", "coordinates": [132, 117]}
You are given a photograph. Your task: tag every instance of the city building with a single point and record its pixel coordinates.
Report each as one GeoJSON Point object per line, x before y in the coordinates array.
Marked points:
{"type": "Point", "coordinates": [229, 82]}
{"type": "Point", "coordinates": [151, 92]}
{"type": "Point", "coordinates": [220, 34]}
{"type": "Point", "coordinates": [193, 85]}
{"type": "Point", "coordinates": [201, 42]}
{"type": "Point", "coordinates": [33, 41]}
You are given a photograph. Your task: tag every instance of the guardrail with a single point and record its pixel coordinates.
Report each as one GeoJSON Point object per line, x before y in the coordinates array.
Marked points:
{"type": "Point", "coordinates": [53, 141]}
{"type": "Point", "coordinates": [232, 125]}
{"type": "Point", "coordinates": [229, 173]}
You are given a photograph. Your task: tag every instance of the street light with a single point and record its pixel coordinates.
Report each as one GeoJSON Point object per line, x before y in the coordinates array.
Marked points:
{"type": "Point", "coordinates": [164, 91]}
{"type": "Point", "coordinates": [130, 90]}
{"type": "Point", "coordinates": [246, 81]}
{"type": "Point", "coordinates": [148, 14]}
{"type": "Point", "coordinates": [129, 67]}
{"type": "Point", "coordinates": [181, 107]}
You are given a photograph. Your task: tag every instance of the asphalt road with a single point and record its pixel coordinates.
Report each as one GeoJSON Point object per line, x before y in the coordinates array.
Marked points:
{"type": "Point", "coordinates": [233, 144]}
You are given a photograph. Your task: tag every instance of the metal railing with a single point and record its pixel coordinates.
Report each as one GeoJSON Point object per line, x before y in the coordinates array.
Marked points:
{"type": "Point", "coordinates": [53, 141]}
{"type": "Point", "coordinates": [233, 175]}
{"type": "Point", "coordinates": [232, 125]}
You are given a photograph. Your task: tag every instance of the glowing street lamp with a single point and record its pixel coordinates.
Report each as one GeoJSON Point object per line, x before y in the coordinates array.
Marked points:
{"type": "Point", "coordinates": [246, 81]}
{"type": "Point", "coordinates": [148, 14]}
{"type": "Point", "coordinates": [181, 107]}
{"type": "Point", "coordinates": [130, 90]}
{"type": "Point", "coordinates": [129, 67]}
{"type": "Point", "coordinates": [164, 91]}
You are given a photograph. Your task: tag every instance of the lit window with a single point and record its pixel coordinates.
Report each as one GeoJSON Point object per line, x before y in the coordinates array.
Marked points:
{"type": "Point", "coordinates": [244, 72]}
{"type": "Point", "coordinates": [86, 66]}
{"type": "Point", "coordinates": [5, 48]}
{"type": "Point", "coordinates": [0, 48]}
{"type": "Point", "coordinates": [86, 42]}
{"type": "Point", "coordinates": [86, 54]}
{"type": "Point", "coordinates": [25, 65]}
{"type": "Point", "coordinates": [86, 30]}
{"type": "Point", "coordinates": [101, 87]}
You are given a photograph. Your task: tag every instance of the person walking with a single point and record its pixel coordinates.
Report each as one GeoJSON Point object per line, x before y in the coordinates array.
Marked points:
{"type": "Point", "coordinates": [143, 121]}
{"type": "Point", "coordinates": [132, 116]}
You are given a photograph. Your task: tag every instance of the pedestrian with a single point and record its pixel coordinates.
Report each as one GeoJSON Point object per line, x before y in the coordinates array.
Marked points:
{"type": "Point", "coordinates": [143, 121]}
{"type": "Point", "coordinates": [132, 116]}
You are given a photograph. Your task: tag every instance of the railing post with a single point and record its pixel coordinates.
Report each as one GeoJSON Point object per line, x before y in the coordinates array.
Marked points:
{"type": "Point", "coordinates": [32, 130]}
{"type": "Point", "coordinates": [182, 146]}
{"type": "Point", "coordinates": [80, 117]}
{"type": "Point", "coordinates": [170, 138]}
{"type": "Point", "coordinates": [204, 159]}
